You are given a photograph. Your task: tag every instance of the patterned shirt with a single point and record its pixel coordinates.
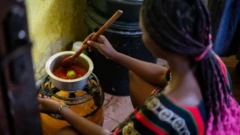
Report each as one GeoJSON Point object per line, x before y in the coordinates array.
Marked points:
{"type": "Point", "coordinates": [161, 115]}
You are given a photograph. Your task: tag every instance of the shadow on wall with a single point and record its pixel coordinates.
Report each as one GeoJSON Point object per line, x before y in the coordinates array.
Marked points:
{"type": "Point", "coordinates": [54, 25]}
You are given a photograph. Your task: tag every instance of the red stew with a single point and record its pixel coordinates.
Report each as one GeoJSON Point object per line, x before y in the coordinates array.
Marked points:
{"type": "Point", "coordinates": [62, 72]}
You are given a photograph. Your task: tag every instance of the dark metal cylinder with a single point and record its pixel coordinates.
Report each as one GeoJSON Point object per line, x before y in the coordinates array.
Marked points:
{"type": "Point", "coordinates": [125, 36]}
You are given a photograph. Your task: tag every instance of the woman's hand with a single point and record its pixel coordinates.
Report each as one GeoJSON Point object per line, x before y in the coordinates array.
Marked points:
{"type": "Point", "coordinates": [103, 46]}
{"type": "Point", "coordinates": [47, 105]}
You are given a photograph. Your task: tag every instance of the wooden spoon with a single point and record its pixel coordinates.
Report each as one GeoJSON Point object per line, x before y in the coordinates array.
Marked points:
{"type": "Point", "coordinates": [67, 62]}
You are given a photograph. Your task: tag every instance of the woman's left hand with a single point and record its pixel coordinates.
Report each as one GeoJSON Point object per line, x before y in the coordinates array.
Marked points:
{"type": "Point", "coordinates": [47, 105]}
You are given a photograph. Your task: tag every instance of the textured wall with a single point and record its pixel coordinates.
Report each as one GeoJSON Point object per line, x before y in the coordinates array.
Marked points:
{"type": "Point", "coordinates": [206, 1]}
{"type": "Point", "coordinates": [54, 25]}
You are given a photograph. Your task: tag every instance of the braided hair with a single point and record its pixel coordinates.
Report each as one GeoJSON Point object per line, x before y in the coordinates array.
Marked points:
{"type": "Point", "coordinates": [180, 25]}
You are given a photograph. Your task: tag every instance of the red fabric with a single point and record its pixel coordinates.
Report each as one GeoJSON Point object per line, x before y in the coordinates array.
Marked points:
{"type": "Point", "coordinates": [148, 124]}
{"type": "Point", "coordinates": [116, 131]}
{"type": "Point", "coordinates": [224, 70]}
{"type": "Point", "coordinates": [198, 119]}
{"type": "Point", "coordinates": [194, 111]}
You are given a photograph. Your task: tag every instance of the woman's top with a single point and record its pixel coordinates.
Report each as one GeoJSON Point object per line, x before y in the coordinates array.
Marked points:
{"type": "Point", "coordinates": [161, 115]}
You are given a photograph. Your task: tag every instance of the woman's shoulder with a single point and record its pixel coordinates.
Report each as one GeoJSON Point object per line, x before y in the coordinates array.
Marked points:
{"type": "Point", "coordinates": [189, 119]}
{"type": "Point", "coordinates": [159, 115]}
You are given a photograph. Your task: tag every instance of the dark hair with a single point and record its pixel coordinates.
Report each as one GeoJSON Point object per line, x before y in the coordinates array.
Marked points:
{"type": "Point", "coordinates": [180, 25]}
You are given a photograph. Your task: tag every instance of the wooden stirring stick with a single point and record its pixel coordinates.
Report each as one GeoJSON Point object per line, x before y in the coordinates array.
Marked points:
{"type": "Point", "coordinates": [67, 62]}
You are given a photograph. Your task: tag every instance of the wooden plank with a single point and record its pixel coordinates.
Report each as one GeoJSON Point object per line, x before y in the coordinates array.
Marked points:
{"type": "Point", "coordinates": [4, 123]}
{"type": "Point", "coordinates": [18, 104]}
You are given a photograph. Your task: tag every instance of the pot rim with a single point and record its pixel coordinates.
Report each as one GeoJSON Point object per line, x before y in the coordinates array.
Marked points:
{"type": "Point", "coordinates": [49, 72]}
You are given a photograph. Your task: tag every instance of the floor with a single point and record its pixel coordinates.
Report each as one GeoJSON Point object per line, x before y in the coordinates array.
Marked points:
{"type": "Point", "coordinates": [117, 108]}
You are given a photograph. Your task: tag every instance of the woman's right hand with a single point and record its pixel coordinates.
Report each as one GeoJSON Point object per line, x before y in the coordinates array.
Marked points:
{"type": "Point", "coordinates": [47, 105]}
{"type": "Point", "coordinates": [103, 46]}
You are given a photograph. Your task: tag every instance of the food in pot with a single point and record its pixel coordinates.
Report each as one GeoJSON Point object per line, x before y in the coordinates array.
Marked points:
{"type": "Point", "coordinates": [73, 72]}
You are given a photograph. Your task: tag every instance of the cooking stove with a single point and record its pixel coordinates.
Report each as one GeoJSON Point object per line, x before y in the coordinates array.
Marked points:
{"type": "Point", "coordinates": [92, 91]}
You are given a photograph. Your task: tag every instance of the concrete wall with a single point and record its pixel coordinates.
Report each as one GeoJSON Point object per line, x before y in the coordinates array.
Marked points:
{"type": "Point", "coordinates": [54, 25]}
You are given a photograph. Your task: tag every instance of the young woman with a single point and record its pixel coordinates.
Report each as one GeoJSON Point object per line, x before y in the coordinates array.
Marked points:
{"type": "Point", "coordinates": [192, 97]}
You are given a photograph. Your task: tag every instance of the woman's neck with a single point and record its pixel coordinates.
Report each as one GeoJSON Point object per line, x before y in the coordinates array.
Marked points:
{"type": "Point", "coordinates": [180, 68]}
{"type": "Point", "coordinates": [183, 82]}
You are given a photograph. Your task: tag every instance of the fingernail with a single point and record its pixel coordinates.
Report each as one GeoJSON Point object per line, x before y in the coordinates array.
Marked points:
{"type": "Point", "coordinates": [88, 42]}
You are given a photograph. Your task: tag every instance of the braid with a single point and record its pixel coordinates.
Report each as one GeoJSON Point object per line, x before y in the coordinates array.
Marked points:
{"type": "Point", "coordinates": [180, 25]}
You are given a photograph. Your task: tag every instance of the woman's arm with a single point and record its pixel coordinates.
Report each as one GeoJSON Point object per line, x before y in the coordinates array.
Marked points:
{"type": "Point", "coordinates": [151, 73]}
{"type": "Point", "coordinates": [81, 124]}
